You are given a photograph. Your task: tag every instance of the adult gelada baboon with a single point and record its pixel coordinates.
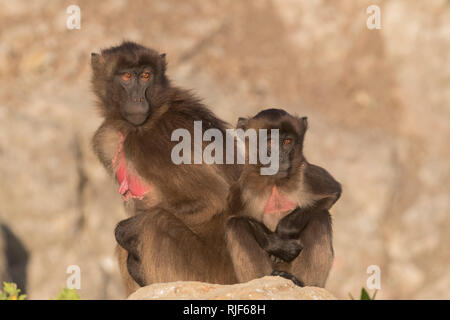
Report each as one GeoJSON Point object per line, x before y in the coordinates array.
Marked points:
{"type": "Point", "coordinates": [176, 228]}
{"type": "Point", "coordinates": [281, 224]}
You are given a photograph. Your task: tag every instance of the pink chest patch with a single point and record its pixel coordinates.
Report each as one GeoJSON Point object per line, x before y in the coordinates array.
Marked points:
{"type": "Point", "coordinates": [130, 184]}
{"type": "Point", "coordinates": [278, 204]}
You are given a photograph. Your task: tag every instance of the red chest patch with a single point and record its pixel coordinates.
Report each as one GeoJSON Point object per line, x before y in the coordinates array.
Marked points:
{"type": "Point", "coordinates": [130, 184]}
{"type": "Point", "coordinates": [278, 204]}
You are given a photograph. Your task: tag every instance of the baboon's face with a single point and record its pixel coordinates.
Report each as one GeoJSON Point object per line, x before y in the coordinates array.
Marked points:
{"type": "Point", "coordinates": [130, 80]}
{"type": "Point", "coordinates": [291, 132]}
{"type": "Point", "coordinates": [133, 102]}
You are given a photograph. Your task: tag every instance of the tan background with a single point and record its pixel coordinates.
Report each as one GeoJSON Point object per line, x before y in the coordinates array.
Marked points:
{"type": "Point", "coordinates": [378, 103]}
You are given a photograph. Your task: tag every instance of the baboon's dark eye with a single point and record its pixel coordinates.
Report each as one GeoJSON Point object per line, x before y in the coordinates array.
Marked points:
{"type": "Point", "coordinates": [287, 141]}
{"type": "Point", "coordinates": [126, 76]}
{"type": "Point", "coordinates": [145, 76]}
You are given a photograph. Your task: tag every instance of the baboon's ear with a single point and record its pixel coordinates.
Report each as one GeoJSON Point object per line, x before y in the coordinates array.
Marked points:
{"type": "Point", "coordinates": [303, 122]}
{"type": "Point", "coordinates": [164, 62]}
{"type": "Point", "coordinates": [97, 61]}
{"type": "Point", "coordinates": [242, 123]}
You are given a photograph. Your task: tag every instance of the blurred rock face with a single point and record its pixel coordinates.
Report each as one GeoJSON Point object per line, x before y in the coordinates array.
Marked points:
{"type": "Point", "coordinates": [378, 103]}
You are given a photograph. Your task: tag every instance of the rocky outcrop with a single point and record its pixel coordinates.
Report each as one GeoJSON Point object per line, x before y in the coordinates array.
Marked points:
{"type": "Point", "coordinates": [267, 288]}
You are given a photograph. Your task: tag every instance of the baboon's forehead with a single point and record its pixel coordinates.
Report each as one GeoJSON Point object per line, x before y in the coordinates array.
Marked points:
{"type": "Point", "coordinates": [128, 60]}
{"type": "Point", "coordinates": [286, 124]}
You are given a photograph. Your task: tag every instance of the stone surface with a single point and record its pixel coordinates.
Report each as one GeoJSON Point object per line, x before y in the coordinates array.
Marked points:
{"type": "Point", "coordinates": [267, 288]}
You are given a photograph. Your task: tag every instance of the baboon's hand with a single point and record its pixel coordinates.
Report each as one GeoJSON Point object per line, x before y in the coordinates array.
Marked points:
{"type": "Point", "coordinates": [285, 249]}
{"type": "Point", "coordinates": [288, 276]}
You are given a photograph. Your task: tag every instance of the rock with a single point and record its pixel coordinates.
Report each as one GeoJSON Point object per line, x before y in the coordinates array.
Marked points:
{"type": "Point", "coordinates": [4, 274]}
{"type": "Point", "coordinates": [13, 258]}
{"type": "Point", "coordinates": [267, 288]}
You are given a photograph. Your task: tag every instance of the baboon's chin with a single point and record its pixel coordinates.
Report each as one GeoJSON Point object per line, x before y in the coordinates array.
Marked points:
{"type": "Point", "coordinates": [136, 119]}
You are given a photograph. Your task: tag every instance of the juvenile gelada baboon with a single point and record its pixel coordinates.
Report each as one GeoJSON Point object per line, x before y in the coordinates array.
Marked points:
{"type": "Point", "coordinates": [281, 224]}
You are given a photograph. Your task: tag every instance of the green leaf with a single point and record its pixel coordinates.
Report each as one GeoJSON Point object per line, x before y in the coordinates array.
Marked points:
{"type": "Point", "coordinates": [364, 294]}
{"type": "Point", "coordinates": [10, 292]}
{"type": "Point", "coordinates": [68, 294]}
